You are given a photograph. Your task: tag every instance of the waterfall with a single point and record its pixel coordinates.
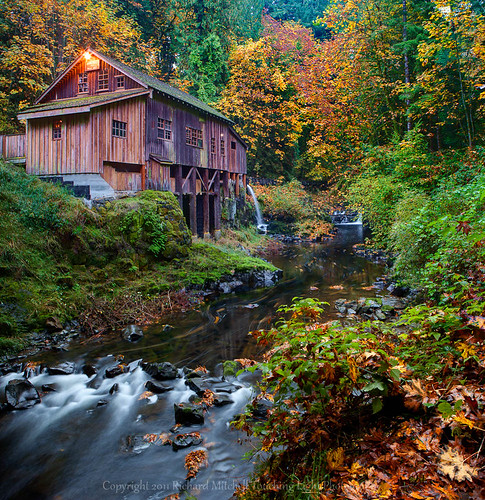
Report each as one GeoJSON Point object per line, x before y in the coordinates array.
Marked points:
{"type": "Point", "coordinates": [259, 218]}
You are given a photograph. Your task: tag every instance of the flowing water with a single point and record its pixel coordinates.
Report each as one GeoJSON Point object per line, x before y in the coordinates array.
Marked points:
{"type": "Point", "coordinates": [71, 446]}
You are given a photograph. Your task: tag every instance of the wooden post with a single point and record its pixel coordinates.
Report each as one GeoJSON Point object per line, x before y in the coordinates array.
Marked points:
{"type": "Point", "coordinates": [205, 198]}
{"type": "Point", "coordinates": [143, 177]}
{"type": "Point", "coordinates": [178, 183]}
{"type": "Point", "coordinates": [193, 202]}
{"type": "Point", "coordinates": [225, 182]}
{"type": "Point", "coordinates": [217, 206]}
{"type": "Point", "coordinates": [236, 178]}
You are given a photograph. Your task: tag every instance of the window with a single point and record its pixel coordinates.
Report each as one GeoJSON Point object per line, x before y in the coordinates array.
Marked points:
{"type": "Point", "coordinates": [119, 129]}
{"type": "Point", "coordinates": [213, 145]}
{"type": "Point", "coordinates": [164, 129]}
{"type": "Point", "coordinates": [120, 81]}
{"type": "Point", "coordinates": [223, 147]}
{"type": "Point", "coordinates": [103, 80]}
{"type": "Point", "coordinates": [56, 131]}
{"type": "Point", "coordinates": [233, 144]}
{"type": "Point", "coordinates": [193, 137]}
{"type": "Point", "coordinates": [82, 85]}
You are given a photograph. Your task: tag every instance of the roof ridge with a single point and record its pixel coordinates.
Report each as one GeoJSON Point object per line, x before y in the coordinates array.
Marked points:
{"type": "Point", "coordinates": [163, 87]}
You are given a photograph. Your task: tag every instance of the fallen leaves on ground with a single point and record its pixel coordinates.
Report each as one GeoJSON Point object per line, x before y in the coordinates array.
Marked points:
{"type": "Point", "coordinates": [194, 461]}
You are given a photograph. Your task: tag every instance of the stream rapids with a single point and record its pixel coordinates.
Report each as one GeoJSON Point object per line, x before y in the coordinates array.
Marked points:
{"type": "Point", "coordinates": [86, 441]}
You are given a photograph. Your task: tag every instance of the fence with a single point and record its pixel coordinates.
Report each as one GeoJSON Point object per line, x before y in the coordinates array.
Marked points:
{"type": "Point", "coordinates": [12, 146]}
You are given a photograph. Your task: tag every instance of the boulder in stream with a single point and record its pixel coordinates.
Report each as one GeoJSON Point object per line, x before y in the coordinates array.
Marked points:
{"type": "Point", "coordinates": [66, 368]}
{"type": "Point", "coordinates": [157, 388]}
{"type": "Point", "coordinates": [132, 333]}
{"type": "Point", "coordinates": [186, 440]}
{"type": "Point", "coordinates": [188, 414]}
{"type": "Point", "coordinates": [161, 371]}
{"type": "Point", "coordinates": [21, 394]}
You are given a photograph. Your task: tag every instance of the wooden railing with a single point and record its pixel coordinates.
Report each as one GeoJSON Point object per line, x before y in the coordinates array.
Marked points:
{"type": "Point", "coordinates": [12, 146]}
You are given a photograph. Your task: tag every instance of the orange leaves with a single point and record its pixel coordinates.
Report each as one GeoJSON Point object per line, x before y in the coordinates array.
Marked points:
{"type": "Point", "coordinates": [194, 461]}
{"type": "Point", "coordinates": [417, 395]}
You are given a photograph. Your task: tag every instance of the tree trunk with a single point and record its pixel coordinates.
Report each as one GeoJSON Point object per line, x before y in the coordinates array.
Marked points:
{"type": "Point", "coordinates": [407, 78]}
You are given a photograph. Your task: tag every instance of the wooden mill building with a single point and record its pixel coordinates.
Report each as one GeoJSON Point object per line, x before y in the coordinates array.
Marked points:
{"type": "Point", "coordinates": [136, 132]}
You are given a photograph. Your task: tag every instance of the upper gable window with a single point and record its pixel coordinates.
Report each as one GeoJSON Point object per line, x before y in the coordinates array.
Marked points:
{"type": "Point", "coordinates": [120, 81]}
{"type": "Point", "coordinates": [103, 80]}
{"type": "Point", "coordinates": [119, 129]}
{"type": "Point", "coordinates": [82, 83]}
{"type": "Point", "coordinates": [233, 144]}
{"type": "Point", "coordinates": [164, 129]}
{"type": "Point", "coordinates": [193, 137]}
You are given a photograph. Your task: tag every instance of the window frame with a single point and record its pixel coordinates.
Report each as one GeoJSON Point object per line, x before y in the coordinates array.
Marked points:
{"type": "Point", "coordinates": [118, 79]}
{"type": "Point", "coordinates": [223, 147]}
{"type": "Point", "coordinates": [233, 145]}
{"type": "Point", "coordinates": [194, 137]}
{"type": "Point", "coordinates": [103, 77]}
{"type": "Point", "coordinates": [57, 130]}
{"type": "Point", "coordinates": [164, 129]}
{"type": "Point", "coordinates": [82, 83]}
{"type": "Point", "coordinates": [213, 145]}
{"type": "Point", "coordinates": [119, 129]}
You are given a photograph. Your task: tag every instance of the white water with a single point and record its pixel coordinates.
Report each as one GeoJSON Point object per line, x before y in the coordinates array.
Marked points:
{"type": "Point", "coordinates": [260, 224]}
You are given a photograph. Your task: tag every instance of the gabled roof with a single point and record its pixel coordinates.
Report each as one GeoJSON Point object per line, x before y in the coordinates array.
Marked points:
{"type": "Point", "coordinates": [148, 82]}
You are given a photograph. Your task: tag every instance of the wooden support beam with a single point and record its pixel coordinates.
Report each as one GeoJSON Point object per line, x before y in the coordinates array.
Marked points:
{"type": "Point", "coordinates": [217, 206]}
{"type": "Point", "coordinates": [205, 201]}
{"type": "Point", "coordinates": [188, 179]}
{"type": "Point", "coordinates": [178, 183]}
{"type": "Point", "coordinates": [225, 184]}
{"type": "Point", "coordinates": [193, 202]}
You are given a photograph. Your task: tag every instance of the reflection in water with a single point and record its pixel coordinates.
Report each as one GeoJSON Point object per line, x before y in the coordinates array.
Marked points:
{"type": "Point", "coordinates": [69, 447]}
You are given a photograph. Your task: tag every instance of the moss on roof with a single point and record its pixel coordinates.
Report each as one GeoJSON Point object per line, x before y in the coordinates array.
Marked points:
{"type": "Point", "coordinates": [82, 101]}
{"type": "Point", "coordinates": [164, 88]}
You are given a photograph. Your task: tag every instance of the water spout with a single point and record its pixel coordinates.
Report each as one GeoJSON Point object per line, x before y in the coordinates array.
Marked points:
{"type": "Point", "coordinates": [260, 224]}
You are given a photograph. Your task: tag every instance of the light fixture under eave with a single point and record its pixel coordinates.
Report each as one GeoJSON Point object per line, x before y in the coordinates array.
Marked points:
{"type": "Point", "coordinates": [87, 55]}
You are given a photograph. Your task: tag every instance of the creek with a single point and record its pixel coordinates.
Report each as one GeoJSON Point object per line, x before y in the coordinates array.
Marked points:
{"type": "Point", "coordinates": [81, 442]}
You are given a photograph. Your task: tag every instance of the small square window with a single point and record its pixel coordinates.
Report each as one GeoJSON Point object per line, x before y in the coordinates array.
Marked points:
{"type": "Point", "coordinates": [233, 144]}
{"type": "Point", "coordinates": [103, 80]}
{"type": "Point", "coordinates": [82, 86]}
{"type": "Point", "coordinates": [56, 131]}
{"type": "Point", "coordinates": [223, 147]}
{"type": "Point", "coordinates": [164, 129]}
{"type": "Point", "coordinates": [193, 137]}
{"type": "Point", "coordinates": [120, 81]}
{"type": "Point", "coordinates": [119, 129]}
{"type": "Point", "coordinates": [213, 145]}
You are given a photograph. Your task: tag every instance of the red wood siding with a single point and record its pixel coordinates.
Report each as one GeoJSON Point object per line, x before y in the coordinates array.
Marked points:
{"type": "Point", "coordinates": [86, 140]}
{"type": "Point", "coordinates": [178, 152]}
{"type": "Point", "coordinates": [68, 86]}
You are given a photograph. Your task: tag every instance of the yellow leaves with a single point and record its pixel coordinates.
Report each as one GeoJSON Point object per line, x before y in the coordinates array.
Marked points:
{"type": "Point", "coordinates": [353, 370]}
{"type": "Point", "coordinates": [461, 419]}
{"type": "Point", "coordinates": [335, 459]}
{"type": "Point", "coordinates": [467, 350]}
{"type": "Point", "coordinates": [452, 464]}
{"type": "Point", "coordinates": [145, 395]}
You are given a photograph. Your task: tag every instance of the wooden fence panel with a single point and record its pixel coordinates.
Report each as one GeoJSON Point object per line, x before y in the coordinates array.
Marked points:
{"type": "Point", "coordinates": [12, 146]}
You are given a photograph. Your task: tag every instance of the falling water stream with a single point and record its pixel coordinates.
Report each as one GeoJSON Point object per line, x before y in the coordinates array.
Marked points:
{"type": "Point", "coordinates": [81, 442]}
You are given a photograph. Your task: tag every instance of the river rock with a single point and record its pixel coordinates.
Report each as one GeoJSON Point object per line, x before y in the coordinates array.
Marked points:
{"type": "Point", "coordinates": [198, 385]}
{"type": "Point", "coordinates": [186, 440]}
{"type": "Point", "coordinates": [222, 386]}
{"type": "Point", "coordinates": [21, 394]}
{"type": "Point", "coordinates": [53, 325]}
{"type": "Point", "coordinates": [260, 409]}
{"type": "Point", "coordinates": [229, 286]}
{"type": "Point", "coordinates": [157, 388]}
{"type": "Point", "coordinates": [188, 414]}
{"type": "Point", "coordinates": [161, 371]}
{"type": "Point", "coordinates": [89, 370]}
{"type": "Point", "coordinates": [114, 388]}
{"type": "Point", "coordinates": [48, 388]}
{"type": "Point", "coordinates": [66, 368]}
{"type": "Point", "coordinates": [132, 333]}
{"type": "Point", "coordinates": [115, 371]}
{"type": "Point", "coordinates": [222, 399]}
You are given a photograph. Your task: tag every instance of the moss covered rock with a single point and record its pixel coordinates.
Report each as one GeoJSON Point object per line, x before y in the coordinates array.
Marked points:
{"type": "Point", "coordinates": [151, 222]}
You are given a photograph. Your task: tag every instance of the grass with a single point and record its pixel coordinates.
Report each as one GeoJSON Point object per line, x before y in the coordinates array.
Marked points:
{"type": "Point", "coordinates": [57, 256]}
